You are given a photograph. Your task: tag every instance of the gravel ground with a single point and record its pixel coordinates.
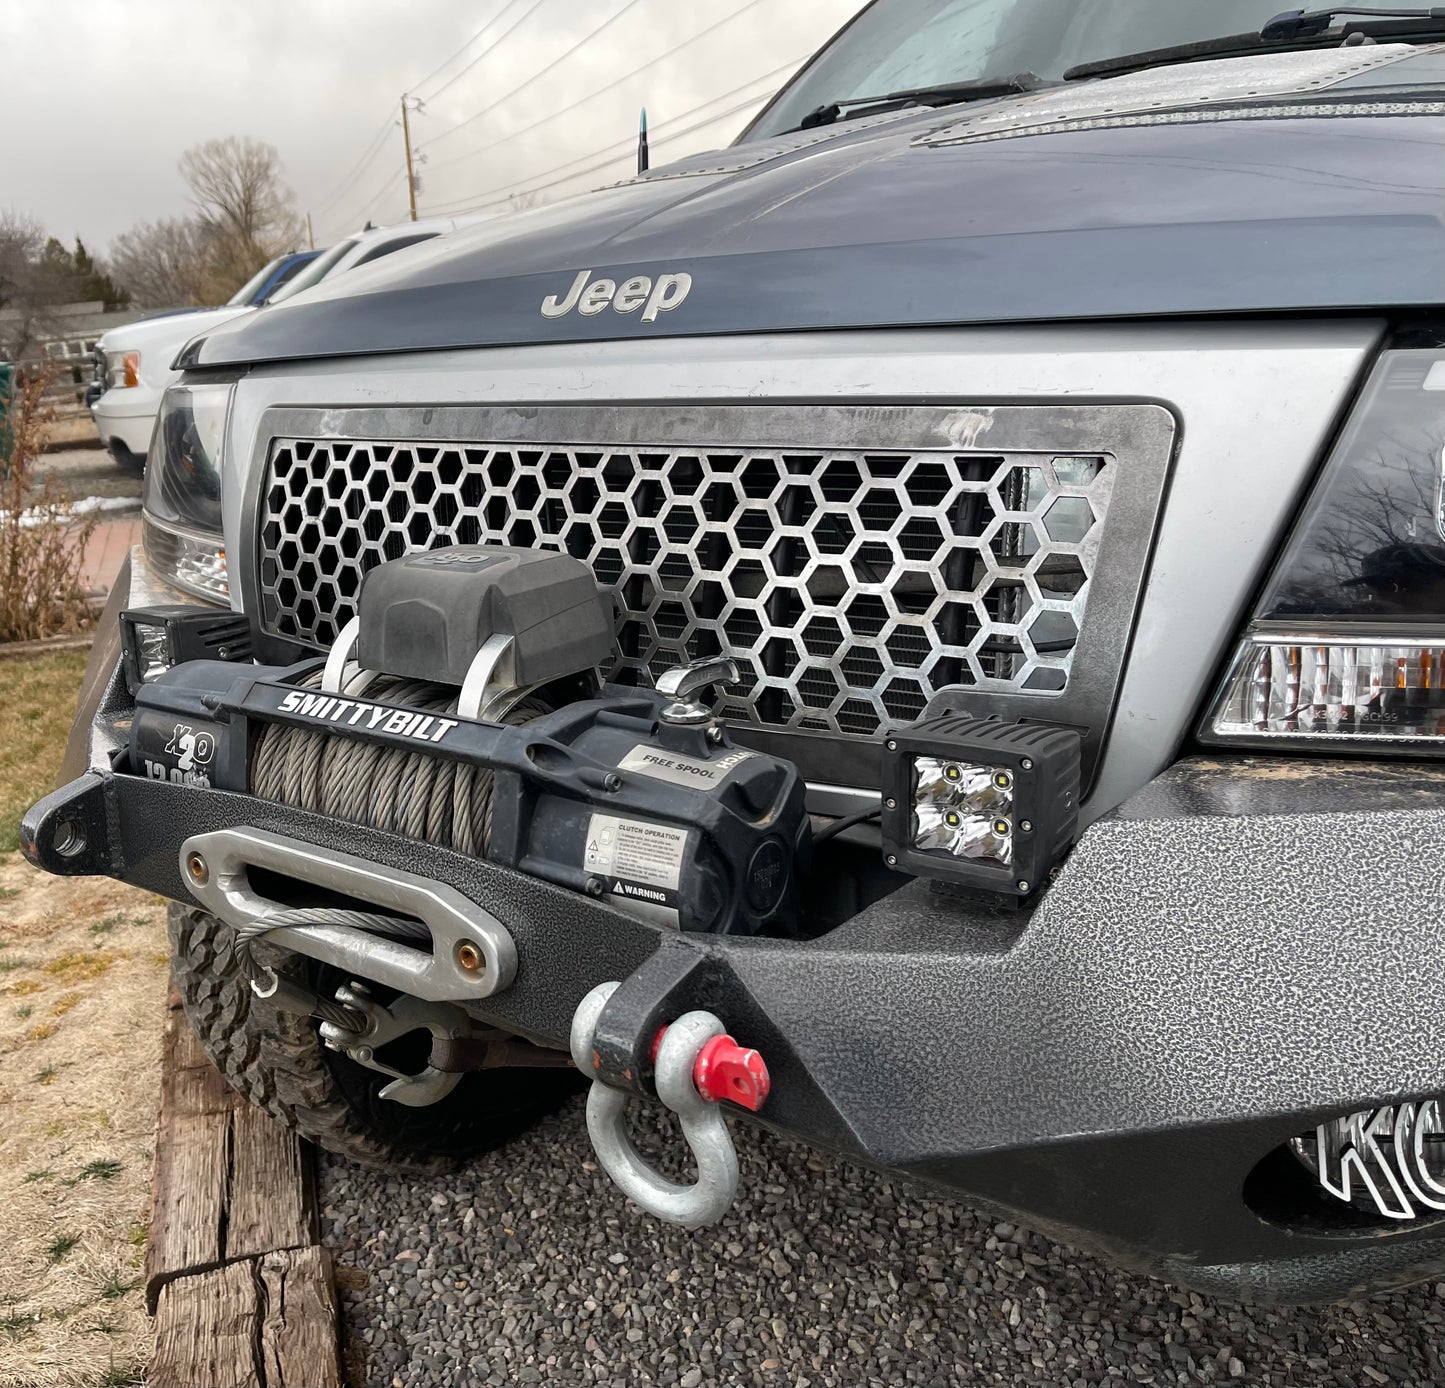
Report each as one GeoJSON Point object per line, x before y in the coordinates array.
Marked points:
{"type": "Point", "coordinates": [89, 471]}
{"type": "Point", "coordinates": [530, 1268]}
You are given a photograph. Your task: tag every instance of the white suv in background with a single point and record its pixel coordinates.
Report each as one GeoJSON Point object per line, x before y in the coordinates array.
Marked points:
{"type": "Point", "coordinates": [136, 359]}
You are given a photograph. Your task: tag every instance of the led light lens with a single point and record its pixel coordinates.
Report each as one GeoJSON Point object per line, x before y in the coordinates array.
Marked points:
{"type": "Point", "coordinates": [153, 651]}
{"type": "Point", "coordinates": [963, 810]}
{"type": "Point", "coordinates": [980, 805]}
{"type": "Point", "coordinates": [1298, 685]}
{"type": "Point", "coordinates": [156, 639]}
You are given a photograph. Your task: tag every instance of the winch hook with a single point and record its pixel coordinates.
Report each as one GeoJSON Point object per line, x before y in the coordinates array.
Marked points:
{"type": "Point", "coordinates": [695, 1063]}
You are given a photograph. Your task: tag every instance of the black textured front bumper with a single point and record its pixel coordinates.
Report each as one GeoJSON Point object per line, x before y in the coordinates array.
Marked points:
{"type": "Point", "coordinates": [1244, 948]}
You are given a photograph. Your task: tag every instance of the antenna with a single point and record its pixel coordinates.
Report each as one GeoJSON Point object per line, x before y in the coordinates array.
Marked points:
{"type": "Point", "coordinates": [642, 142]}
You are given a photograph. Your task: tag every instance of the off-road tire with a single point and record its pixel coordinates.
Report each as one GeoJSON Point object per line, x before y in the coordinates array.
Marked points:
{"type": "Point", "coordinates": [276, 1060]}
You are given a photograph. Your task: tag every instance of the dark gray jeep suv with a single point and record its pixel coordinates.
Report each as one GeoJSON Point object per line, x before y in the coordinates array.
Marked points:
{"type": "Point", "coordinates": [926, 625]}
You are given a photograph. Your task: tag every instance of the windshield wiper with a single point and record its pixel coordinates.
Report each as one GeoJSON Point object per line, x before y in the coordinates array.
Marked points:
{"type": "Point", "coordinates": [954, 92]}
{"type": "Point", "coordinates": [1294, 29]}
{"type": "Point", "coordinates": [1299, 24]}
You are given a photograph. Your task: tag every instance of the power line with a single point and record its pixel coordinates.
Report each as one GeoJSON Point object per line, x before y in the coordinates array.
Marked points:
{"type": "Point", "coordinates": [487, 149]}
{"type": "Point", "coordinates": [620, 146]}
{"type": "Point", "coordinates": [490, 48]}
{"type": "Point", "coordinates": [417, 86]}
{"type": "Point", "coordinates": [378, 141]}
{"type": "Point", "coordinates": [378, 192]}
{"type": "Point", "coordinates": [615, 150]}
{"type": "Point", "coordinates": [477, 115]}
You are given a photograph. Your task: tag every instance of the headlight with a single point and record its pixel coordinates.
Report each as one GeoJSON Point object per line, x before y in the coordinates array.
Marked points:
{"type": "Point", "coordinates": [1347, 642]}
{"type": "Point", "coordinates": [182, 494]}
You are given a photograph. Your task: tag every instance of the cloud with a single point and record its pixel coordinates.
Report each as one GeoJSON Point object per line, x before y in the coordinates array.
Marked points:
{"type": "Point", "coordinates": [124, 86]}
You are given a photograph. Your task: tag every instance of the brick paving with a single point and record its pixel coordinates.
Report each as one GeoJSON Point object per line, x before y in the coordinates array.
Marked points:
{"type": "Point", "coordinates": [106, 550]}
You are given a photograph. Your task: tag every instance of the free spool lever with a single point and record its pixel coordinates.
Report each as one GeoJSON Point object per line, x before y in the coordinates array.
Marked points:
{"type": "Point", "coordinates": [684, 684]}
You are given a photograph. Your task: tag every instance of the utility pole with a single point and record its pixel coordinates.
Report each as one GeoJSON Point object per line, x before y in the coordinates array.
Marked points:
{"type": "Point", "coordinates": [410, 175]}
{"type": "Point", "coordinates": [310, 235]}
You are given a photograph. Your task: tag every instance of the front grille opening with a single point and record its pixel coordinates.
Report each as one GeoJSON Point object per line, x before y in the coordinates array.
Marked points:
{"type": "Point", "coordinates": [853, 587]}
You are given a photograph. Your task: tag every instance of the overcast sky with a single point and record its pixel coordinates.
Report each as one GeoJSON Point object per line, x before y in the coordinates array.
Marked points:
{"type": "Point", "coordinates": [102, 97]}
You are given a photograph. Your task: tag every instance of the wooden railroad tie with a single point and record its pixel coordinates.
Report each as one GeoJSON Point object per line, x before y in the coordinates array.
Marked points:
{"type": "Point", "coordinates": [242, 1291]}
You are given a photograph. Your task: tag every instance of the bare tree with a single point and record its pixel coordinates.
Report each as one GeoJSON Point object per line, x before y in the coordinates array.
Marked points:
{"type": "Point", "coordinates": [244, 216]}
{"type": "Point", "coordinates": [25, 289]}
{"type": "Point", "coordinates": [245, 211]}
{"type": "Point", "coordinates": [20, 241]}
{"type": "Point", "coordinates": [159, 262]}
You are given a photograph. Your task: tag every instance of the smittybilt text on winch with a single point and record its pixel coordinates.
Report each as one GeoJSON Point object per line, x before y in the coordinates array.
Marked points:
{"type": "Point", "coordinates": [926, 625]}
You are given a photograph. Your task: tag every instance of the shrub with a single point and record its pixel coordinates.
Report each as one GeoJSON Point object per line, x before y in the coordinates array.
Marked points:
{"type": "Point", "coordinates": [42, 544]}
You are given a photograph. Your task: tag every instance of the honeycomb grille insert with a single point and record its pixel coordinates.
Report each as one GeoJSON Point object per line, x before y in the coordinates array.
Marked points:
{"type": "Point", "coordinates": [852, 585]}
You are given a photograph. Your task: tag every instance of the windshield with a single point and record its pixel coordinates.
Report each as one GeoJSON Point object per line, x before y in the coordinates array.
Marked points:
{"type": "Point", "coordinates": [314, 273]}
{"type": "Point", "coordinates": [248, 291]}
{"type": "Point", "coordinates": [899, 44]}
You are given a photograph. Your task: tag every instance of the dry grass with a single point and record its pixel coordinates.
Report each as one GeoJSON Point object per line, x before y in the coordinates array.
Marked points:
{"type": "Point", "coordinates": [82, 995]}
{"type": "Point", "coordinates": [80, 1041]}
{"type": "Point", "coordinates": [37, 701]}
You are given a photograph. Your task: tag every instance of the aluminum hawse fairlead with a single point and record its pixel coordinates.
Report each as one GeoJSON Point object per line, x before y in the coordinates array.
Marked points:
{"type": "Point", "coordinates": [925, 626]}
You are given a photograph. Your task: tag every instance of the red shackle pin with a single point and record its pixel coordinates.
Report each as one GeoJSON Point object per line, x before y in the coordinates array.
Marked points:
{"type": "Point", "coordinates": [725, 1070]}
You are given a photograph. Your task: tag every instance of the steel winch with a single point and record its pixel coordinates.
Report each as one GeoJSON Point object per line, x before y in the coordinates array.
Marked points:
{"type": "Point", "coordinates": [462, 706]}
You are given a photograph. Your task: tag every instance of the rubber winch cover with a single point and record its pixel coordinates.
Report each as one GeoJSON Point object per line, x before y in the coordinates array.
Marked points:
{"type": "Point", "coordinates": [426, 616]}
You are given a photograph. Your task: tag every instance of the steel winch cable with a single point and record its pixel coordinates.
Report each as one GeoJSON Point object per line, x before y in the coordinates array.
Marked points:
{"type": "Point", "coordinates": [263, 979]}
{"type": "Point", "coordinates": [396, 790]}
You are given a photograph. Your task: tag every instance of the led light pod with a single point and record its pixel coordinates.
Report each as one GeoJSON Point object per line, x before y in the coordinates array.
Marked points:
{"type": "Point", "coordinates": [152, 639]}
{"type": "Point", "coordinates": [981, 803]}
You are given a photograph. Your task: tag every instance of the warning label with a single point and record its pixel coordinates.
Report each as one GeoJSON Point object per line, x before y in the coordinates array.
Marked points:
{"type": "Point", "coordinates": [681, 770]}
{"type": "Point", "coordinates": [639, 861]}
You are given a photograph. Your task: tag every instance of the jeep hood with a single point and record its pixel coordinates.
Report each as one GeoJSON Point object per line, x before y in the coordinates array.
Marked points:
{"type": "Point", "coordinates": [1287, 183]}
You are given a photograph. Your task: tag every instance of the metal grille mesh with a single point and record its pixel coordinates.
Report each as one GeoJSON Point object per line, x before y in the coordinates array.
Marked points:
{"type": "Point", "coordinates": [851, 586]}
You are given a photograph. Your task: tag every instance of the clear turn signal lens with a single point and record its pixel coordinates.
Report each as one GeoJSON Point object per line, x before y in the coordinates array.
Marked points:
{"type": "Point", "coordinates": [1300, 684]}
{"type": "Point", "coordinates": [194, 563]}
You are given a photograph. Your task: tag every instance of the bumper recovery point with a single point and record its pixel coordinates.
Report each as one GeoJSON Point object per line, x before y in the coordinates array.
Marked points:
{"type": "Point", "coordinates": [696, 1064]}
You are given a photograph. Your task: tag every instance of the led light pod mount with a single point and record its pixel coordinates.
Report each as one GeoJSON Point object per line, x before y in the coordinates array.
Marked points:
{"type": "Point", "coordinates": [153, 639]}
{"type": "Point", "coordinates": [980, 803]}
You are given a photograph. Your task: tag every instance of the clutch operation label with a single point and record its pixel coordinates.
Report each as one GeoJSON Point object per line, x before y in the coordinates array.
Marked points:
{"type": "Point", "coordinates": [639, 861]}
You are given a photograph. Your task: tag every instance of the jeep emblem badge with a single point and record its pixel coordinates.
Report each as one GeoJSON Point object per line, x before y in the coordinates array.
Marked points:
{"type": "Point", "coordinates": [640, 292]}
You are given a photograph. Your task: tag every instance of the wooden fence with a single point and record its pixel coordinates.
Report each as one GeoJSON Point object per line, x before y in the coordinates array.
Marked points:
{"type": "Point", "coordinates": [73, 361]}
